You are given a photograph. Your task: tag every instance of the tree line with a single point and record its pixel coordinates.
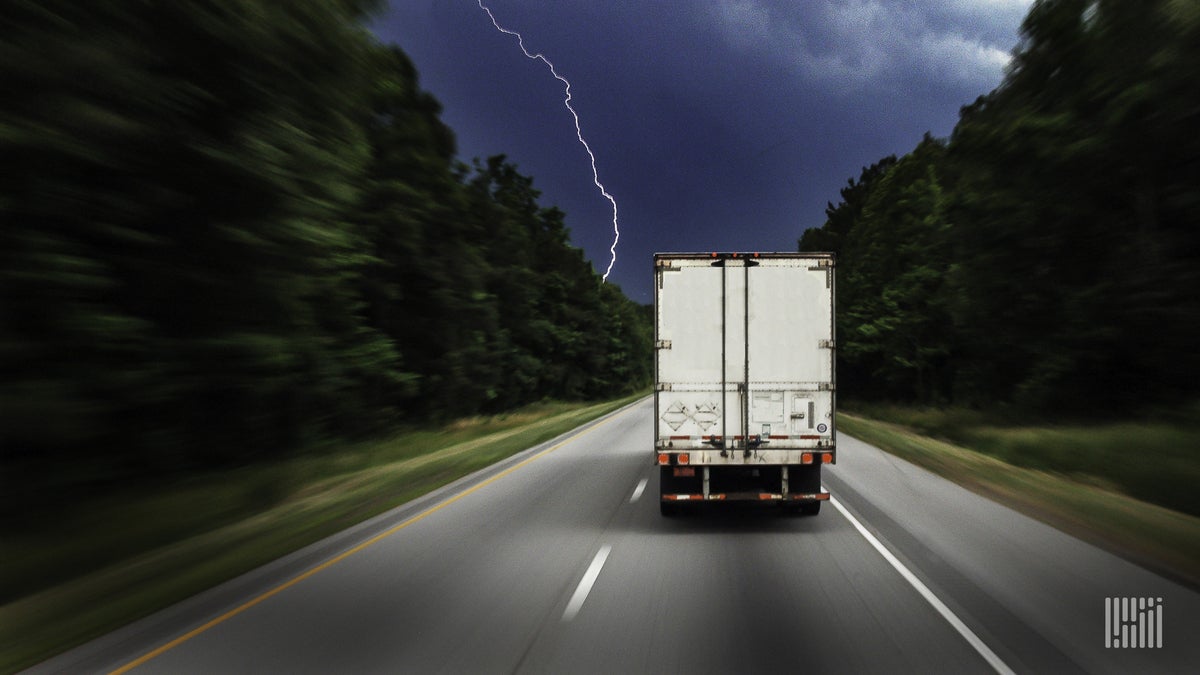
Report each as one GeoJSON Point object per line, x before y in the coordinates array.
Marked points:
{"type": "Point", "coordinates": [235, 228]}
{"type": "Point", "coordinates": [1045, 257]}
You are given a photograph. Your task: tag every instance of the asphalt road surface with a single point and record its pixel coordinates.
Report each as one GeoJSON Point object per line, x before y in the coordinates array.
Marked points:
{"type": "Point", "coordinates": [558, 561]}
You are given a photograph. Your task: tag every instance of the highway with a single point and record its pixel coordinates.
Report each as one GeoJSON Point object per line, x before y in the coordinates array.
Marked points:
{"type": "Point", "coordinates": [557, 561]}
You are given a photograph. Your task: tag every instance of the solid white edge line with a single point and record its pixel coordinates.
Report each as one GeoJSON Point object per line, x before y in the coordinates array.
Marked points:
{"type": "Point", "coordinates": [585, 584]}
{"type": "Point", "coordinates": [969, 635]}
{"type": "Point", "coordinates": [637, 491]}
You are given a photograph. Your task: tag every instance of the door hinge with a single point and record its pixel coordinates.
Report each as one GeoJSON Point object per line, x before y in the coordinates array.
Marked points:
{"type": "Point", "coordinates": [825, 344]}
{"type": "Point", "coordinates": [826, 266]}
{"type": "Point", "coordinates": [662, 344]}
{"type": "Point", "coordinates": [825, 386]}
{"type": "Point", "coordinates": [662, 386]}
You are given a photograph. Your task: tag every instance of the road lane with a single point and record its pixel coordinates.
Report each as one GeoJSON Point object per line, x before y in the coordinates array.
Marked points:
{"type": "Point", "coordinates": [490, 581]}
{"type": "Point", "coordinates": [462, 590]}
{"type": "Point", "coordinates": [746, 591]}
{"type": "Point", "coordinates": [1033, 593]}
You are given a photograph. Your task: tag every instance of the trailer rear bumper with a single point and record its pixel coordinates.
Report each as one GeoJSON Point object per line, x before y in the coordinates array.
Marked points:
{"type": "Point", "coordinates": [821, 496]}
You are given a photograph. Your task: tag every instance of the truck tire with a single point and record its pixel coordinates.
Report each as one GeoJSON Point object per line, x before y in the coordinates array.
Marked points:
{"type": "Point", "coordinates": [810, 508]}
{"type": "Point", "coordinates": [668, 509]}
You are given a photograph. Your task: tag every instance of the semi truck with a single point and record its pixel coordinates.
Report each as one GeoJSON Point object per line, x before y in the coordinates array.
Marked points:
{"type": "Point", "coordinates": [745, 388]}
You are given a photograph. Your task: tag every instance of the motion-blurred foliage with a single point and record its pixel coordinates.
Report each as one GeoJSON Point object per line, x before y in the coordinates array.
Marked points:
{"type": "Point", "coordinates": [234, 227]}
{"type": "Point", "coordinates": [1046, 257]}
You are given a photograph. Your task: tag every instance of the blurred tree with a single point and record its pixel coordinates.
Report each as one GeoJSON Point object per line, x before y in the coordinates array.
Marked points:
{"type": "Point", "coordinates": [551, 300]}
{"type": "Point", "coordinates": [474, 281]}
{"type": "Point", "coordinates": [426, 287]}
{"type": "Point", "coordinates": [179, 278]}
{"type": "Point", "coordinates": [840, 219]}
{"type": "Point", "coordinates": [856, 373]}
{"type": "Point", "coordinates": [893, 314]}
{"type": "Point", "coordinates": [1072, 251]}
{"type": "Point", "coordinates": [234, 227]}
{"type": "Point", "coordinates": [1054, 240]}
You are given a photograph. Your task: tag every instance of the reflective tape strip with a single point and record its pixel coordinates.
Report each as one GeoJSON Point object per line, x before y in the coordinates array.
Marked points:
{"type": "Point", "coordinates": [819, 496]}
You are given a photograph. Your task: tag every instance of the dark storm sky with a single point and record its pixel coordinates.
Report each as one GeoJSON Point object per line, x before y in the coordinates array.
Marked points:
{"type": "Point", "coordinates": [716, 124]}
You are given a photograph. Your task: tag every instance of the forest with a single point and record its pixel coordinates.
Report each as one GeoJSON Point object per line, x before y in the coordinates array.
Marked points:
{"type": "Point", "coordinates": [1045, 258]}
{"type": "Point", "coordinates": [236, 229]}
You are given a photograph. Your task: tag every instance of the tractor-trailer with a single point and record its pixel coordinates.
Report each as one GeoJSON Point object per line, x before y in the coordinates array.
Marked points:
{"type": "Point", "coordinates": [745, 388]}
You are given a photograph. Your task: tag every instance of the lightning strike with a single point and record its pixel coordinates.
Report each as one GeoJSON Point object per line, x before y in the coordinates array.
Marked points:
{"type": "Point", "coordinates": [578, 132]}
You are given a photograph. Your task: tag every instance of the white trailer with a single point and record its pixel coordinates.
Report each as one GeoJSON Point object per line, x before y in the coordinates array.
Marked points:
{"type": "Point", "coordinates": [745, 388]}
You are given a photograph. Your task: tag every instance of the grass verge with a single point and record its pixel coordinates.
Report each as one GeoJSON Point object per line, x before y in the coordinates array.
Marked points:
{"type": "Point", "coordinates": [1154, 460]}
{"type": "Point", "coordinates": [247, 518]}
{"type": "Point", "coordinates": [1158, 538]}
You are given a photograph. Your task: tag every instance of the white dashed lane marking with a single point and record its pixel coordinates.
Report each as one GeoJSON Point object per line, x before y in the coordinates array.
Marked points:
{"type": "Point", "coordinates": [637, 491]}
{"type": "Point", "coordinates": [585, 584]}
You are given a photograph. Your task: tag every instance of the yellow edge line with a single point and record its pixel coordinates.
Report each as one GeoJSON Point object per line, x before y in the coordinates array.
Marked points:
{"type": "Point", "coordinates": [346, 554]}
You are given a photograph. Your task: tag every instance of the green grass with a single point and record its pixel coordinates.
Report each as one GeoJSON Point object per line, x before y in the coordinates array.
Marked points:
{"type": "Point", "coordinates": [100, 565]}
{"type": "Point", "coordinates": [1083, 501]}
{"type": "Point", "coordinates": [1156, 462]}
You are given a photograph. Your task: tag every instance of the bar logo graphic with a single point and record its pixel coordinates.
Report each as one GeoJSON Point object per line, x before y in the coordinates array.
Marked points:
{"type": "Point", "coordinates": [1133, 623]}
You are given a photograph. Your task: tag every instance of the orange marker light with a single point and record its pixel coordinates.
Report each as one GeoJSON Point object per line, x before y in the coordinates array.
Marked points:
{"type": "Point", "coordinates": [806, 458]}
{"type": "Point", "coordinates": [827, 457]}
{"type": "Point", "coordinates": [684, 458]}
{"type": "Point", "coordinates": [664, 458]}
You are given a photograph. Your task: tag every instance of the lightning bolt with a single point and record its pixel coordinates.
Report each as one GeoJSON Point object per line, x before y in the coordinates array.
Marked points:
{"type": "Point", "coordinates": [578, 132]}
